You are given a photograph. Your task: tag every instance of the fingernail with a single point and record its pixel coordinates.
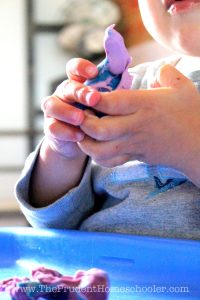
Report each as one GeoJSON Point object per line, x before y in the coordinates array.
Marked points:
{"type": "Point", "coordinates": [91, 71]}
{"type": "Point", "coordinates": [92, 98]}
{"type": "Point", "coordinates": [78, 117]}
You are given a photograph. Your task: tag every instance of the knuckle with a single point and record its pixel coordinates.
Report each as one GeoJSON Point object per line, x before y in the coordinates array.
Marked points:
{"type": "Point", "coordinates": [80, 93]}
{"type": "Point", "coordinates": [52, 128]}
{"type": "Point", "coordinates": [45, 102]}
{"type": "Point", "coordinates": [50, 105]}
{"type": "Point", "coordinates": [102, 132]}
{"type": "Point", "coordinates": [61, 88]}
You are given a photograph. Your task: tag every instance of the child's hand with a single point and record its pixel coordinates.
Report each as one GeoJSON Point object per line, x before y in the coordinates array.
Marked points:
{"type": "Point", "coordinates": [158, 126]}
{"type": "Point", "coordinates": [62, 119]}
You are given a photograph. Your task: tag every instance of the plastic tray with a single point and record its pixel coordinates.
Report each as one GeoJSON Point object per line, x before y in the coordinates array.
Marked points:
{"type": "Point", "coordinates": [138, 267]}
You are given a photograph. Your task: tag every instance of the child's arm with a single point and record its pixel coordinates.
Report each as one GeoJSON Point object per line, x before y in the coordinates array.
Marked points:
{"type": "Point", "coordinates": [61, 163]}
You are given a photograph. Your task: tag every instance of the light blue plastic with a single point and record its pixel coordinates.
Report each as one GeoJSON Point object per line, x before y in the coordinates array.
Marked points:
{"type": "Point", "coordinates": [138, 267]}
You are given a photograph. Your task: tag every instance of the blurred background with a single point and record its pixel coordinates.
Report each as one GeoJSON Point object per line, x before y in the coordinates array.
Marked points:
{"type": "Point", "coordinates": [37, 38]}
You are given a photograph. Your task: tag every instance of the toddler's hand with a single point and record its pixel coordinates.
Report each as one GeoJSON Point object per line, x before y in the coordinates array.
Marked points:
{"type": "Point", "coordinates": [157, 126]}
{"type": "Point", "coordinates": [62, 118]}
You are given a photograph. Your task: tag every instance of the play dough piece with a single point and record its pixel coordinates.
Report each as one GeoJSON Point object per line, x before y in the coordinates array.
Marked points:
{"type": "Point", "coordinates": [113, 70]}
{"type": "Point", "coordinates": [48, 284]}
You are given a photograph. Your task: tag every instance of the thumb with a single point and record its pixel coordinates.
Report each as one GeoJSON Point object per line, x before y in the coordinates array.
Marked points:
{"type": "Point", "coordinates": [169, 76]}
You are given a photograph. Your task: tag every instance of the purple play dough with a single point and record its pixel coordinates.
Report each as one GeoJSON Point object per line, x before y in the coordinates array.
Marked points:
{"type": "Point", "coordinates": [115, 65]}
{"type": "Point", "coordinates": [84, 285]}
{"type": "Point", "coordinates": [116, 51]}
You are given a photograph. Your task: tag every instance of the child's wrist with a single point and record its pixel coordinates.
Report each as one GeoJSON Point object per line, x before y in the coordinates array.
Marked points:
{"type": "Point", "coordinates": [48, 150]}
{"type": "Point", "coordinates": [54, 175]}
{"type": "Point", "coordinates": [54, 160]}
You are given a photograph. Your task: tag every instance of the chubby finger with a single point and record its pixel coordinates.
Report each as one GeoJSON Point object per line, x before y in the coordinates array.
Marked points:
{"type": "Point", "coordinates": [169, 76]}
{"type": "Point", "coordinates": [55, 108]}
{"type": "Point", "coordinates": [58, 130]}
{"type": "Point", "coordinates": [99, 151]}
{"type": "Point", "coordinates": [102, 152]}
{"type": "Point", "coordinates": [110, 127]}
{"type": "Point", "coordinates": [81, 69]}
{"type": "Point", "coordinates": [124, 102]}
{"type": "Point", "coordinates": [72, 91]}
{"type": "Point", "coordinates": [82, 94]}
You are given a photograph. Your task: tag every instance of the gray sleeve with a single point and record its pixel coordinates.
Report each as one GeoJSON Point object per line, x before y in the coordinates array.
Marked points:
{"type": "Point", "coordinates": [67, 212]}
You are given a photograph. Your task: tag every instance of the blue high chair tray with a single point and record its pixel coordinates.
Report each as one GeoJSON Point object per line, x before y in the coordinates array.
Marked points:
{"type": "Point", "coordinates": [138, 267]}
